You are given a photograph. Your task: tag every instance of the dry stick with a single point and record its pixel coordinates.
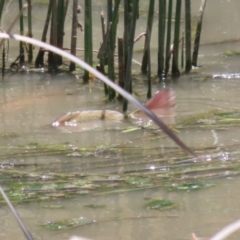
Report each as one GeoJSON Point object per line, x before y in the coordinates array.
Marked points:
{"type": "Point", "coordinates": [139, 37]}
{"type": "Point", "coordinates": [20, 222]}
{"type": "Point", "coordinates": [198, 33]}
{"type": "Point", "coordinates": [227, 231]}
{"type": "Point", "coordinates": [111, 84]}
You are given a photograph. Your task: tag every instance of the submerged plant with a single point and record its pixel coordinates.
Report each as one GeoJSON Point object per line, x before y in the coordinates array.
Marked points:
{"type": "Point", "coordinates": [160, 204]}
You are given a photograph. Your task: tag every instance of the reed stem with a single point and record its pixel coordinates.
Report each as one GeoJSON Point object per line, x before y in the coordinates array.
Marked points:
{"type": "Point", "coordinates": [148, 37]}
{"type": "Point", "coordinates": [21, 25]}
{"type": "Point", "coordinates": [39, 62]}
{"type": "Point", "coordinates": [129, 35]}
{"type": "Point", "coordinates": [60, 26]}
{"type": "Point", "coordinates": [88, 45]}
{"type": "Point", "coordinates": [1, 8]}
{"type": "Point", "coordinates": [175, 68]}
{"type": "Point", "coordinates": [188, 38]}
{"type": "Point", "coordinates": [30, 47]}
{"type": "Point", "coordinates": [161, 36]}
{"type": "Point", "coordinates": [198, 33]}
{"type": "Point", "coordinates": [72, 66]}
{"type": "Point", "coordinates": [168, 40]}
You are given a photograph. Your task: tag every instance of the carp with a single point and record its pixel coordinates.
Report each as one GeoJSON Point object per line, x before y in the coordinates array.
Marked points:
{"type": "Point", "coordinates": [162, 104]}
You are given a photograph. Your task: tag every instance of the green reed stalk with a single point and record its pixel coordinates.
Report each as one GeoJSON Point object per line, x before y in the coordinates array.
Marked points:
{"type": "Point", "coordinates": [30, 47]}
{"type": "Point", "coordinates": [161, 36]}
{"type": "Point", "coordinates": [21, 48]}
{"type": "Point", "coordinates": [88, 45]}
{"type": "Point", "coordinates": [133, 13]}
{"type": "Point", "coordinates": [127, 12]}
{"type": "Point", "coordinates": [149, 91]}
{"type": "Point", "coordinates": [60, 26]}
{"type": "Point", "coordinates": [145, 58]}
{"type": "Point", "coordinates": [1, 8]}
{"type": "Point", "coordinates": [175, 69]}
{"type": "Point", "coordinates": [168, 40]}
{"type": "Point", "coordinates": [198, 33]}
{"type": "Point", "coordinates": [39, 61]}
{"type": "Point", "coordinates": [52, 57]}
{"type": "Point", "coordinates": [3, 60]}
{"type": "Point", "coordinates": [188, 63]}
{"type": "Point", "coordinates": [72, 66]}
{"type": "Point", "coordinates": [182, 50]}
{"type": "Point", "coordinates": [3, 51]}
{"type": "Point", "coordinates": [121, 67]}
{"type": "Point", "coordinates": [113, 18]}
{"type": "Point", "coordinates": [103, 57]}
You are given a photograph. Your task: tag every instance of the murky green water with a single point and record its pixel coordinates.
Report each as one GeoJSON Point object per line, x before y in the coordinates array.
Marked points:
{"type": "Point", "coordinates": [114, 160]}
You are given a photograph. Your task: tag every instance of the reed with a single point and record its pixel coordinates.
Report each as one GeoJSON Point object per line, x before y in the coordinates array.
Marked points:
{"type": "Point", "coordinates": [129, 33]}
{"type": "Point", "coordinates": [30, 47]}
{"type": "Point", "coordinates": [1, 8]}
{"type": "Point", "coordinates": [3, 60]}
{"type": "Point", "coordinates": [198, 33]}
{"type": "Point", "coordinates": [112, 22]}
{"type": "Point", "coordinates": [103, 56]}
{"type": "Point", "coordinates": [21, 26]}
{"type": "Point", "coordinates": [168, 39]}
{"type": "Point", "coordinates": [182, 49]}
{"type": "Point", "coordinates": [52, 57]}
{"type": "Point", "coordinates": [161, 36]}
{"type": "Point", "coordinates": [88, 45]}
{"type": "Point", "coordinates": [188, 37]}
{"type": "Point", "coordinates": [145, 59]}
{"type": "Point", "coordinates": [175, 67]}
{"type": "Point", "coordinates": [39, 62]}
{"type": "Point", "coordinates": [72, 66]}
{"type": "Point", "coordinates": [60, 26]}
{"type": "Point", "coordinates": [121, 67]}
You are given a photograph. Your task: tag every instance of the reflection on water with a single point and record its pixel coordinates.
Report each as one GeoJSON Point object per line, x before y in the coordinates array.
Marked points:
{"type": "Point", "coordinates": [30, 102]}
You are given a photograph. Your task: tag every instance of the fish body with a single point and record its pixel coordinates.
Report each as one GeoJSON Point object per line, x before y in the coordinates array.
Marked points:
{"type": "Point", "coordinates": [73, 118]}
{"type": "Point", "coordinates": [162, 104]}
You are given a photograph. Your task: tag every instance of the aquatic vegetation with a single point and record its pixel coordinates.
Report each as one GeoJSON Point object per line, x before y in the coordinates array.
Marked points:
{"type": "Point", "coordinates": [69, 223]}
{"type": "Point", "coordinates": [160, 204]}
{"type": "Point", "coordinates": [95, 206]}
{"type": "Point", "coordinates": [189, 186]}
{"type": "Point", "coordinates": [231, 53]}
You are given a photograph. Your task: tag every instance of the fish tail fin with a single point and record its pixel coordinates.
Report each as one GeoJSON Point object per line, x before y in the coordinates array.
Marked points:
{"type": "Point", "coordinates": [165, 98]}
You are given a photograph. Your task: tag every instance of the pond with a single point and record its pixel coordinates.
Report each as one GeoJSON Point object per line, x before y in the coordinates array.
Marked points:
{"type": "Point", "coordinates": [115, 180]}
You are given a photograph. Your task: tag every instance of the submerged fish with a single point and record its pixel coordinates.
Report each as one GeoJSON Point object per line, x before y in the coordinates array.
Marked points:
{"type": "Point", "coordinates": [162, 104]}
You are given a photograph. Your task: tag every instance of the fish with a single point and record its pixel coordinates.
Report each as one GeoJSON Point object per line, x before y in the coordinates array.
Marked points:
{"type": "Point", "coordinates": [162, 104]}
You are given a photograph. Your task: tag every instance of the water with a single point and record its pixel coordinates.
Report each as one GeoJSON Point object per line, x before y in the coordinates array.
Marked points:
{"type": "Point", "coordinates": [31, 101]}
